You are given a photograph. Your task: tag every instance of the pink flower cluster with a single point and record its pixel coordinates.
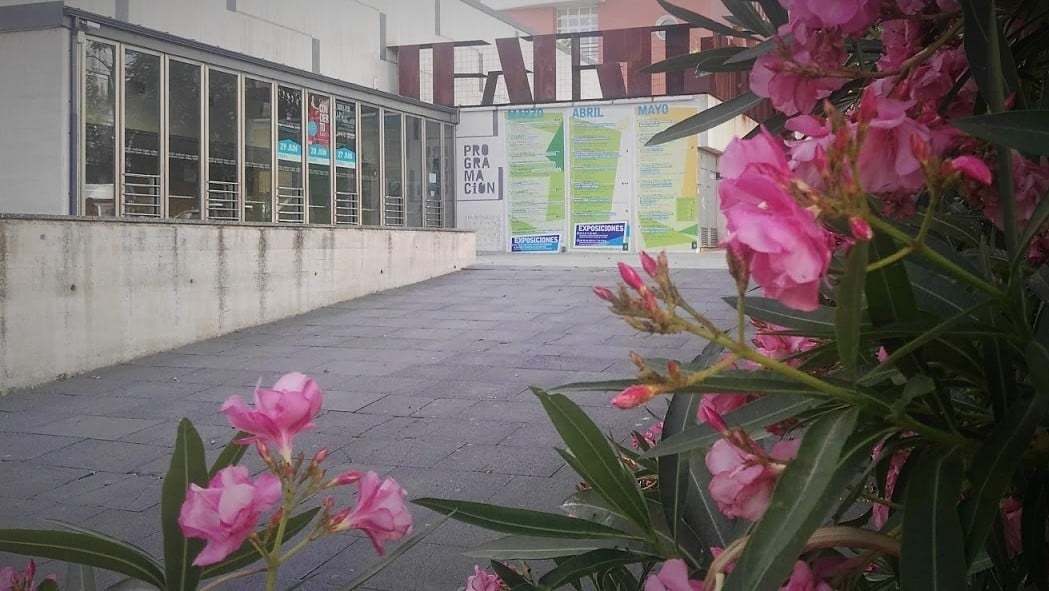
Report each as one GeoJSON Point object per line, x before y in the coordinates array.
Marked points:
{"type": "Point", "coordinates": [13, 580]}
{"type": "Point", "coordinates": [743, 479]}
{"type": "Point", "coordinates": [673, 576]}
{"type": "Point", "coordinates": [483, 580]}
{"type": "Point", "coordinates": [226, 513]}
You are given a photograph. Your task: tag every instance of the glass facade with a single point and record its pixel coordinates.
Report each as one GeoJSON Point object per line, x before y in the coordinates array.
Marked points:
{"type": "Point", "coordinates": [166, 137]}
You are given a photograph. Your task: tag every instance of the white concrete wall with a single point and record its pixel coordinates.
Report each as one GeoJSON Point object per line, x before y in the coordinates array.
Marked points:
{"type": "Point", "coordinates": [34, 121]}
{"type": "Point", "coordinates": [80, 294]}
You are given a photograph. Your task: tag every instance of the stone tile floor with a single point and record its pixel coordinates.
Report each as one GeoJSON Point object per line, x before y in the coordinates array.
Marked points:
{"type": "Point", "coordinates": [427, 383]}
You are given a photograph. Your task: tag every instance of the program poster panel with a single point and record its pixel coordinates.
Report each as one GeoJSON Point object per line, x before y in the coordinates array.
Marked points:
{"type": "Point", "coordinates": [667, 180]}
{"type": "Point", "coordinates": [599, 171]}
{"type": "Point", "coordinates": [535, 160]}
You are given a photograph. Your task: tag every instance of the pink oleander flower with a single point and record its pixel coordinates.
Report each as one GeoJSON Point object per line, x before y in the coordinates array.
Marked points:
{"type": "Point", "coordinates": [971, 168]}
{"type": "Point", "coordinates": [672, 576]}
{"type": "Point", "coordinates": [722, 403]}
{"type": "Point", "coordinates": [790, 78]}
{"type": "Point", "coordinates": [882, 355]}
{"type": "Point", "coordinates": [901, 39]}
{"type": "Point", "coordinates": [483, 580]}
{"type": "Point", "coordinates": [380, 512]}
{"type": "Point", "coordinates": [280, 413]}
{"type": "Point", "coordinates": [780, 347]}
{"type": "Point", "coordinates": [742, 482]}
{"type": "Point", "coordinates": [851, 16]}
{"type": "Point", "coordinates": [227, 511]}
{"type": "Point", "coordinates": [892, 132]}
{"type": "Point", "coordinates": [1031, 181]}
{"type": "Point", "coordinates": [634, 396]}
{"type": "Point", "coordinates": [784, 245]}
{"type": "Point", "coordinates": [630, 276]}
{"type": "Point", "coordinates": [1012, 513]}
{"type": "Point", "coordinates": [12, 580]}
{"type": "Point", "coordinates": [803, 579]}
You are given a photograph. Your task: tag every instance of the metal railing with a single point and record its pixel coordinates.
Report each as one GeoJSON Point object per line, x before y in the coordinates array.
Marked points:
{"type": "Point", "coordinates": [394, 210]}
{"type": "Point", "coordinates": [291, 205]}
{"type": "Point", "coordinates": [222, 200]}
{"type": "Point", "coordinates": [346, 208]}
{"type": "Point", "coordinates": [434, 214]}
{"type": "Point", "coordinates": [141, 195]}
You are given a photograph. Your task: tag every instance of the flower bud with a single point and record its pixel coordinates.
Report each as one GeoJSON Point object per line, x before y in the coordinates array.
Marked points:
{"type": "Point", "coordinates": [320, 456]}
{"type": "Point", "coordinates": [868, 106]}
{"type": "Point", "coordinates": [861, 230]}
{"type": "Point", "coordinates": [920, 148]}
{"type": "Point", "coordinates": [634, 396]}
{"type": "Point", "coordinates": [604, 294]}
{"type": "Point", "coordinates": [637, 360]}
{"type": "Point", "coordinates": [713, 418]}
{"type": "Point", "coordinates": [630, 276]}
{"type": "Point", "coordinates": [263, 452]}
{"type": "Point", "coordinates": [970, 167]}
{"type": "Point", "coordinates": [650, 265]}
{"type": "Point", "coordinates": [328, 503]}
{"type": "Point", "coordinates": [345, 478]}
{"type": "Point", "coordinates": [337, 523]}
{"type": "Point", "coordinates": [276, 517]}
{"type": "Point", "coordinates": [673, 370]}
{"type": "Point", "coordinates": [649, 302]}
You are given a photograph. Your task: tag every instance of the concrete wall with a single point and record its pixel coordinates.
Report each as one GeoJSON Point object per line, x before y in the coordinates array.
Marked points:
{"type": "Point", "coordinates": [34, 108]}
{"type": "Point", "coordinates": [78, 294]}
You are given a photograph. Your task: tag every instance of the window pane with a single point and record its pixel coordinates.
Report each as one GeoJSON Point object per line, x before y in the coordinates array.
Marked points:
{"type": "Point", "coordinates": [258, 151]}
{"type": "Point", "coordinates": [100, 93]}
{"type": "Point", "coordinates": [394, 204]}
{"type": "Point", "coordinates": [433, 175]}
{"type": "Point", "coordinates": [318, 133]}
{"type": "Point", "coordinates": [183, 140]}
{"type": "Point", "coordinates": [449, 176]}
{"type": "Point", "coordinates": [291, 206]}
{"type": "Point", "coordinates": [346, 199]}
{"type": "Point", "coordinates": [141, 133]}
{"type": "Point", "coordinates": [222, 146]}
{"type": "Point", "coordinates": [413, 155]}
{"type": "Point", "coordinates": [371, 189]}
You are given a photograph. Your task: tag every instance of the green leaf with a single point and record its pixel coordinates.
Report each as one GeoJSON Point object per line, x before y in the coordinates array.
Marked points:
{"type": "Point", "coordinates": [128, 584]}
{"type": "Point", "coordinates": [47, 585]}
{"type": "Point", "coordinates": [1032, 529]}
{"type": "Point", "coordinates": [1027, 131]}
{"type": "Point", "coordinates": [526, 522]}
{"type": "Point", "coordinates": [751, 417]}
{"type": "Point", "coordinates": [992, 469]}
{"type": "Point", "coordinates": [387, 560]}
{"type": "Point", "coordinates": [707, 23]}
{"type": "Point", "coordinates": [775, 11]}
{"type": "Point", "coordinates": [247, 555]}
{"type": "Point", "coordinates": [983, 50]}
{"type": "Point", "coordinates": [800, 501]}
{"type": "Point", "coordinates": [603, 386]}
{"type": "Point", "coordinates": [752, 53]}
{"type": "Point", "coordinates": [1034, 227]}
{"type": "Point", "coordinates": [932, 551]}
{"type": "Point", "coordinates": [599, 465]}
{"type": "Point", "coordinates": [690, 61]}
{"type": "Point", "coordinates": [819, 322]}
{"type": "Point", "coordinates": [848, 312]}
{"type": "Point", "coordinates": [890, 298]}
{"type": "Point", "coordinates": [187, 467]}
{"type": "Point", "coordinates": [533, 548]}
{"type": "Point", "coordinates": [82, 548]}
{"type": "Point", "coordinates": [231, 454]}
{"type": "Point", "coordinates": [707, 119]}
{"type": "Point", "coordinates": [748, 15]}
{"type": "Point", "coordinates": [583, 565]}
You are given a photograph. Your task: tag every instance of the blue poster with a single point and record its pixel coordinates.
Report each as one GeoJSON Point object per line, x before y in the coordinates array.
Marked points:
{"type": "Point", "coordinates": [536, 243]}
{"type": "Point", "coordinates": [289, 150]}
{"type": "Point", "coordinates": [345, 157]}
{"type": "Point", "coordinates": [319, 154]}
{"type": "Point", "coordinates": [602, 235]}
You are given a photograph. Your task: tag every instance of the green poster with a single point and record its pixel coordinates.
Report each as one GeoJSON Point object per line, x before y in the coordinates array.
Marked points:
{"type": "Point", "coordinates": [535, 156]}
{"type": "Point", "coordinates": [595, 153]}
{"type": "Point", "coordinates": [667, 179]}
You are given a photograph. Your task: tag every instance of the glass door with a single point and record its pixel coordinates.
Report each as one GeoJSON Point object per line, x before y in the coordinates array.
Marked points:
{"type": "Point", "coordinates": [413, 169]}
{"type": "Point", "coordinates": [347, 200]}
{"type": "Point", "coordinates": [184, 135]}
{"type": "Point", "coordinates": [141, 178]}
{"type": "Point", "coordinates": [98, 192]}
{"type": "Point", "coordinates": [393, 169]}
{"type": "Point", "coordinates": [433, 210]}
{"type": "Point", "coordinates": [223, 184]}
{"type": "Point", "coordinates": [318, 138]}
{"type": "Point", "coordinates": [371, 183]}
{"type": "Point", "coordinates": [258, 151]}
{"type": "Point", "coordinates": [291, 202]}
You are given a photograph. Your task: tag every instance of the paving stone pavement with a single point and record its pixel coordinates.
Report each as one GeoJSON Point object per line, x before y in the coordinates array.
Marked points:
{"type": "Point", "coordinates": [426, 383]}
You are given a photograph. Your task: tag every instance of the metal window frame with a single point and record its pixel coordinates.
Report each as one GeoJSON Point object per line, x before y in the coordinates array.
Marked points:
{"type": "Point", "coordinates": [81, 163]}
{"type": "Point", "coordinates": [244, 145]}
{"type": "Point", "coordinates": [381, 158]}
{"type": "Point", "coordinates": [303, 159]}
{"type": "Point", "coordinates": [382, 165]}
{"type": "Point", "coordinates": [422, 163]}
